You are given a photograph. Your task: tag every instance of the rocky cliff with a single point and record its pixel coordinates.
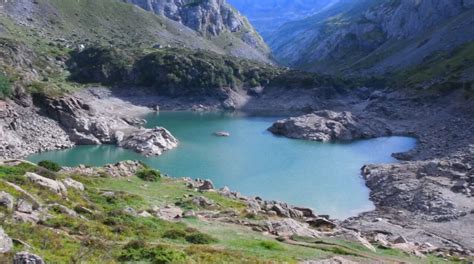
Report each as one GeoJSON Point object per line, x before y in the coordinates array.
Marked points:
{"type": "Point", "coordinates": [376, 36]}
{"type": "Point", "coordinates": [210, 25]}
{"type": "Point", "coordinates": [210, 18]}
{"type": "Point", "coordinates": [267, 15]}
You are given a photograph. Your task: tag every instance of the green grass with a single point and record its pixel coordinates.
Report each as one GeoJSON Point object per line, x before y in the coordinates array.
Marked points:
{"type": "Point", "coordinates": [111, 235]}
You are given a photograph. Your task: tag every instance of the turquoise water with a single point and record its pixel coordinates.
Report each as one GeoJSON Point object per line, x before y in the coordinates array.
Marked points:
{"type": "Point", "coordinates": [325, 177]}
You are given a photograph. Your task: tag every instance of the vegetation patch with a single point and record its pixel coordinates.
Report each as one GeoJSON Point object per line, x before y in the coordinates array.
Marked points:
{"type": "Point", "coordinates": [5, 86]}
{"type": "Point", "coordinates": [149, 175]}
{"type": "Point", "coordinates": [50, 165]}
{"type": "Point", "coordinates": [139, 250]}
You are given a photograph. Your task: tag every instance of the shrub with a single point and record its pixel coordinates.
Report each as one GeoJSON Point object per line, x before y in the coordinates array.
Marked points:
{"type": "Point", "coordinates": [270, 245]}
{"type": "Point", "coordinates": [200, 238]}
{"type": "Point", "coordinates": [5, 86]}
{"type": "Point", "coordinates": [138, 250]}
{"type": "Point", "coordinates": [174, 234]}
{"type": "Point", "coordinates": [149, 175]}
{"type": "Point", "coordinates": [50, 165]}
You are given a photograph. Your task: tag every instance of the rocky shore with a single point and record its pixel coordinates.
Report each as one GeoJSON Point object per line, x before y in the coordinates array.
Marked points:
{"type": "Point", "coordinates": [426, 201]}
{"type": "Point", "coordinates": [428, 197]}
{"type": "Point", "coordinates": [79, 119]}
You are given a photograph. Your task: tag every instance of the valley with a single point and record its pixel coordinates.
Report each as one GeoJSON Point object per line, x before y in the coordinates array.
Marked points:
{"type": "Point", "coordinates": [376, 137]}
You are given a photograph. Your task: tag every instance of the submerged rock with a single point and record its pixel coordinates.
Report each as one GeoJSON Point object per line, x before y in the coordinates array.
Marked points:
{"type": "Point", "coordinates": [222, 134]}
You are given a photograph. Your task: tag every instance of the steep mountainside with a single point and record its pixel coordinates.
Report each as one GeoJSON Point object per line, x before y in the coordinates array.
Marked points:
{"type": "Point", "coordinates": [374, 36]}
{"type": "Point", "coordinates": [111, 22]}
{"type": "Point", "coordinates": [268, 15]}
{"type": "Point", "coordinates": [211, 18]}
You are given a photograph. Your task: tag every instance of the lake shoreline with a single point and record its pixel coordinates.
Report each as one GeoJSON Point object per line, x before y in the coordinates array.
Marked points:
{"type": "Point", "coordinates": [409, 204]}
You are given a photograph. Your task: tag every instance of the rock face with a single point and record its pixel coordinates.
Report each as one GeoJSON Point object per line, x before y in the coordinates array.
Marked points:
{"type": "Point", "coordinates": [6, 243]}
{"type": "Point", "coordinates": [366, 29]}
{"type": "Point", "coordinates": [208, 17]}
{"type": "Point", "coordinates": [86, 126]}
{"type": "Point", "coordinates": [23, 131]}
{"type": "Point", "coordinates": [326, 126]}
{"type": "Point", "coordinates": [415, 186]}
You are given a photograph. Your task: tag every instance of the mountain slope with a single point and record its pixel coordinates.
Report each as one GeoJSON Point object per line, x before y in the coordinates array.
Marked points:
{"type": "Point", "coordinates": [375, 36]}
{"type": "Point", "coordinates": [268, 15]}
{"type": "Point", "coordinates": [111, 22]}
{"type": "Point", "coordinates": [211, 18]}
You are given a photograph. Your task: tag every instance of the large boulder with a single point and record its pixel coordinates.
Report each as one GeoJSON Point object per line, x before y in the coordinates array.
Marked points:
{"type": "Point", "coordinates": [150, 142]}
{"type": "Point", "coordinates": [24, 206]}
{"type": "Point", "coordinates": [55, 186]}
{"type": "Point", "coordinates": [326, 126]}
{"type": "Point", "coordinates": [6, 243]}
{"type": "Point", "coordinates": [27, 258]}
{"type": "Point", "coordinates": [289, 227]}
{"type": "Point", "coordinates": [70, 183]}
{"type": "Point", "coordinates": [7, 200]}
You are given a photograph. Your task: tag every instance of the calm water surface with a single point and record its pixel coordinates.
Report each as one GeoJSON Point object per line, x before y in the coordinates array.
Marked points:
{"type": "Point", "coordinates": [325, 177]}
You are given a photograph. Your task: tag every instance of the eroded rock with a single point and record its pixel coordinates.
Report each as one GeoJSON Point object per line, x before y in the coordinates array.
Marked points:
{"type": "Point", "coordinates": [327, 126]}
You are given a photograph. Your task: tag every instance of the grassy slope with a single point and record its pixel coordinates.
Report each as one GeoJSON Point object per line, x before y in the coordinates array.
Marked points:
{"type": "Point", "coordinates": [102, 238]}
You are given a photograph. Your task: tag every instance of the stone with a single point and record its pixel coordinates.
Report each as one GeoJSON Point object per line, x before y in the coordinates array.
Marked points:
{"type": "Point", "coordinates": [222, 134]}
{"type": "Point", "coordinates": [70, 183]}
{"type": "Point", "coordinates": [130, 211]}
{"type": "Point", "coordinates": [189, 214]}
{"type": "Point", "coordinates": [289, 227]}
{"type": "Point", "coordinates": [169, 213]}
{"type": "Point", "coordinates": [21, 217]}
{"type": "Point", "coordinates": [6, 243]}
{"type": "Point", "coordinates": [150, 142]}
{"type": "Point", "coordinates": [24, 206]}
{"type": "Point", "coordinates": [321, 223]}
{"type": "Point", "coordinates": [7, 200]}
{"type": "Point", "coordinates": [381, 240]}
{"type": "Point", "coordinates": [206, 186]}
{"type": "Point", "coordinates": [108, 194]}
{"type": "Point", "coordinates": [280, 210]}
{"type": "Point", "coordinates": [53, 185]}
{"type": "Point", "coordinates": [27, 258]}
{"type": "Point", "coordinates": [145, 214]}
{"type": "Point", "coordinates": [307, 212]}
{"type": "Point", "coordinates": [202, 202]}
{"type": "Point", "coordinates": [400, 240]}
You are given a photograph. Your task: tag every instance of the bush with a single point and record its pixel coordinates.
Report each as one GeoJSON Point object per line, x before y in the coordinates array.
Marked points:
{"type": "Point", "coordinates": [149, 175]}
{"type": "Point", "coordinates": [5, 86]}
{"type": "Point", "coordinates": [50, 165]}
{"type": "Point", "coordinates": [200, 238]}
{"type": "Point", "coordinates": [138, 250]}
{"type": "Point", "coordinates": [270, 245]}
{"type": "Point", "coordinates": [174, 234]}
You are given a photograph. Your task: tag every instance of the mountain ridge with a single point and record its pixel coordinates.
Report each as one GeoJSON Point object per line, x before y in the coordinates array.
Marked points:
{"type": "Point", "coordinates": [376, 37]}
